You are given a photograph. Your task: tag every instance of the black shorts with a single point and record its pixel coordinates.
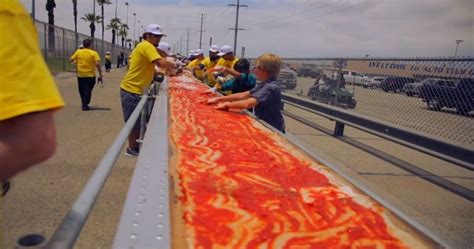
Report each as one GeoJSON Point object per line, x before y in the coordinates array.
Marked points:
{"type": "Point", "coordinates": [129, 103]}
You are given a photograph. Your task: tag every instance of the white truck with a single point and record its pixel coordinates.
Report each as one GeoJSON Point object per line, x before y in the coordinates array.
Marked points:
{"type": "Point", "coordinates": [350, 76]}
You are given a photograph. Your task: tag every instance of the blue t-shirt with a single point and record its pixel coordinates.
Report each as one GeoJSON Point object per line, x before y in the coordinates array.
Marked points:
{"type": "Point", "coordinates": [268, 95]}
{"type": "Point", "coordinates": [240, 84]}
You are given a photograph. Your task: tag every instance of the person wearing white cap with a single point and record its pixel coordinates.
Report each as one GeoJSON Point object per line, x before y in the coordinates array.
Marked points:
{"type": "Point", "coordinates": [227, 57]}
{"type": "Point", "coordinates": [194, 65]}
{"type": "Point", "coordinates": [164, 49]}
{"type": "Point", "coordinates": [210, 62]}
{"type": "Point", "coordinates": [139, 77]}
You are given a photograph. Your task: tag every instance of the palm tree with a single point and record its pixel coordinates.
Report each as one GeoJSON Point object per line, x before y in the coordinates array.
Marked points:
{"type": "Point", "coordinates": [102, 3]}
{"type": "Point", "coordinates": [114, 25]}
{"type": "Point", "coordinates": [74, 11]}
{"type": "Point", "coordinates": [93, 19]}
{"type": "Point", "coordinates": [123, 32]}
{"type": "Point", "coordinates": [50, 5]}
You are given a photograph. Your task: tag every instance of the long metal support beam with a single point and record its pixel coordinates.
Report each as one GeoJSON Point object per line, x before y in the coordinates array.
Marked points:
{"type": "Point", "coordinates": [458, 155]}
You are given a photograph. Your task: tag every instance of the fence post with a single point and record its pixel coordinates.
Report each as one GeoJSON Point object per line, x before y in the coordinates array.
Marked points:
{"type": "Point", "coordinates": [339, 129]}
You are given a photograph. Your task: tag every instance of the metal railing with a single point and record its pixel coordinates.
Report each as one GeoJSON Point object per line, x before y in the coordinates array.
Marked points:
{"type": "Point", "coordinates": [68, 231]}
{"type": "Point", "coordinates": [58, 44]}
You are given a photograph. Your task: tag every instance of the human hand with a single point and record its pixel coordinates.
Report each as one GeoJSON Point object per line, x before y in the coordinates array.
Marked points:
{"type": "Point", "coordinates": [212, 101]}
{"type": "Point", "coordinates": [222, 106]}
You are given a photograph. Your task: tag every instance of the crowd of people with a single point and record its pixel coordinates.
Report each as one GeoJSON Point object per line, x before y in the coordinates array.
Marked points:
{"type": "Point", "coordinates": [24, 105]}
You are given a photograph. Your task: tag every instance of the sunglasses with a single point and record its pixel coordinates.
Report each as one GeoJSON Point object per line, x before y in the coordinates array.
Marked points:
{"type": "Point", "coordinates": [157, 36]}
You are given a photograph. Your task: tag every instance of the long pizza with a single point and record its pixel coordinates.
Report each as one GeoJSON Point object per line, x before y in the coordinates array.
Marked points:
{"type": "Point", "coordinates": [240, 185]}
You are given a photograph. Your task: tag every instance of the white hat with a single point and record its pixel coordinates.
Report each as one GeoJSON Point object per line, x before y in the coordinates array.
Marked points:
{"type": "Point", "coordinates": [198, 52]}
{"type": "Point", "coordinates": [225, 50]}
{"type": "Point", "coordinates": [154, 29]}
{"type": "Point", "coordinates": [191, 53]}
{"type": "Point", "coordinates": [165, 48]}
{"type": "Point", "coordinates": [214, 48]}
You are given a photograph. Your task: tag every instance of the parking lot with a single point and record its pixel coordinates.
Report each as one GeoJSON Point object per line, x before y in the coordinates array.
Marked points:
{"type": "Point", "coordinates": [405, 111]}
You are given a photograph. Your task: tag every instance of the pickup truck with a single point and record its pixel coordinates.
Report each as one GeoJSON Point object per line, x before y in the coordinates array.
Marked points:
{"type": "Point", "coordinates": [457, 94]}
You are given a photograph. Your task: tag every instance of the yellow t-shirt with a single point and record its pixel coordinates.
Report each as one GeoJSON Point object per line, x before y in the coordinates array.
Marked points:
{"type": "Point", "coordinates": [141, 68]}
{"type": "Point", "coordinates": [208, 64]}
{"type": "Point", "coordinates": [200, 74]}
{"type": "Point", "coordinates": [26, 85]}
{"type": "Point", "coordinates": [86, 60]}
{"type": "Point", "coordinates": [228, 64]}
{"type": "Point", "coordinates": [108, 58]}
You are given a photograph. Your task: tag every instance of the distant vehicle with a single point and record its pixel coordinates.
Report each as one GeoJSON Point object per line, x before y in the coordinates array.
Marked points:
{"type": "Point", "coordinates": [457, 94]}
{"type": "Point", "coordinates": [308, 72]}
{"type": "Point", "coordinates": [351, 77]}
{"type": "Point", "coordinates": [332, 95]}
{"type": "Point", "coordinates": [395, 84]}
{"type": "Point", "coordinates": [412, 89]}
{"type": "Point", "coordinates": [374, 82]}
{"type": "Point", "coordinates": [287, 78]}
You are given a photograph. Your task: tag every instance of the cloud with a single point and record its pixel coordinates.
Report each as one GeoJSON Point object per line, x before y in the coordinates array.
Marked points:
{"type": "Point", "coordinates": [302, 28]}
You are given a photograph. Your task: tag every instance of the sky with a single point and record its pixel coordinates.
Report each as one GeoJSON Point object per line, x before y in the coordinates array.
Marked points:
{"type": "Point", "coordinates": [296, 28]}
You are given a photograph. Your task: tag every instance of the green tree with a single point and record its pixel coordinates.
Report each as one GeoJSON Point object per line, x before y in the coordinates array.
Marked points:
{"type": "Point", "coordinates": [92, 19]}
{"type": "Point", "coordinates": [102, 3]}
{"type": "Point", "coordinates": [50, 5]}
{"type": "Point", "coordinates": [74, 12]}
{"type": "Point", "coordinates": [123, 32]}
{"type": "Point", "coordinates": [114, 25]}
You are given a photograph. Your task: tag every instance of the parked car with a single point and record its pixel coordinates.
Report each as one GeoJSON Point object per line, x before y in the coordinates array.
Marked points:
{"type": "Point", "coordinates": [374, 82]}
{"type": "Point", "coordinates": [287, 78]}
{"type": "Point", "coordinates": [457, 94]}
{"type": "Point", "coordinates": [308, 72]}
{"type": "Point", "coordinates": [395, 84]}
{"type": "Point", "coordinates": [412, 89]}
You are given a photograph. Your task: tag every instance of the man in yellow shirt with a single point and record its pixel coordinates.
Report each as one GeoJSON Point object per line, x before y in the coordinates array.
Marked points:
{"type": "Point", "coordinates": [87, 61]}
{"type": "Point", "coordinates": [139, 77]}
{"type": "Point", "coordinates": [194, 65]}
{"type": "Point", "coordinates": [210, 62]}
{"type": "Point", "coordinates": [227, 59]}
{"type": "Point", "coordinates": [28, 94]}
{"type": "Point", "coordinates": [108, 62]}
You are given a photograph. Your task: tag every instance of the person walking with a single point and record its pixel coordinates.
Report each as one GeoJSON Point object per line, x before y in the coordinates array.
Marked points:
{"type": "Point", "coordinates": [87, 61]}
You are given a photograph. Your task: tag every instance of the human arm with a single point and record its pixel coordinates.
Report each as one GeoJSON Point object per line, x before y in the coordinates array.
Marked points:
{"type": "Point", "coordinates": [229, 98]}
{"type": "Point", "coordinates": [232, 72]}
{"type": "Point", "coordinates": [22, 146]}
{"type": "Point", "coordinates": [73, 58]}
{"type": "Point", "coordinates": [237, 105]}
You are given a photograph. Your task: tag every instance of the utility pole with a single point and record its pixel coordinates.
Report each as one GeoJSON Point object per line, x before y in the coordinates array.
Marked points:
{"type": "Point", "coordinates": [236, 29]}
{"type": "Point", "coordinates": [187, 42]}
{"type": "Point", "coordinates": [200, 33]}
{"type": "Point", "coordinates": [457, 46]}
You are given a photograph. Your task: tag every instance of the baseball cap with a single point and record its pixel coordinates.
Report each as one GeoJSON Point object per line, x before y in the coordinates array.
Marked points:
{"type": "Point", "coordinates": [214, 48]}
{"type": "Point", "coordinates": [198, 52]}
{"type": "Point", "coordinates": [225, 50]}
{"type": "Point", "coordinates": [165, 47]}
{"type": "Point", "coordinates": [154, 29]}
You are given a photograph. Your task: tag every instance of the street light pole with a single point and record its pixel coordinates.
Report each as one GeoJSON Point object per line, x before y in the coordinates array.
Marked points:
{"type": "Point", "coordinates": [126, 37]}
{"type": "Point", "coordinates": [457, 46]}
{"type": "Point", "coordinates": [134, 26]}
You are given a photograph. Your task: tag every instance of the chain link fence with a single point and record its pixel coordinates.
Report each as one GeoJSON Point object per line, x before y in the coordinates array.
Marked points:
{"type": "Point", "coordinates": [58, 44]}
{"type": "Point", "coordinates": [434, 96]}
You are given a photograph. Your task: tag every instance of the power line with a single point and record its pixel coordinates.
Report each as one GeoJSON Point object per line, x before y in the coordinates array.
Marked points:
{"type": "Point", "coordinates": [322, 14]}
{"type": "Point", "coordinates": [296, 14]}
